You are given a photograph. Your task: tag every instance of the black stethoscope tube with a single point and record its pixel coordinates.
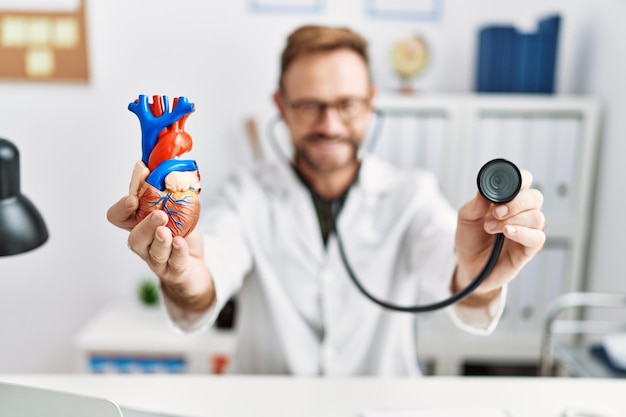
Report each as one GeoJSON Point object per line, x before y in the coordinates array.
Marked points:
{"type": "Point", "coordinates": [491, 262]}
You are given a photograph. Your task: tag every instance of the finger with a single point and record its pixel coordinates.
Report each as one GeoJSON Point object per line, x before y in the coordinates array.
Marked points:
{"type": "Point", "coordinates": [527, 179]}
{"type": "Point", "coordinates": [532, 239]}
{"type": "Point", "coordinates": [533, 219]}
{"type": "Point", "coordinates": [179, 256]}
{"type": "Point", "coordinates": [122, 213]}
{"type": "Point", "coordinates": [142, 236]}
{"type": "Point", "coordinates": [160, 250]}
{"type": "Point", "coordinates": [474, 209]}
{"type": "Point", "coordinates": [527, 199]}
{"type": "Point", "coordinates": [140, 173]}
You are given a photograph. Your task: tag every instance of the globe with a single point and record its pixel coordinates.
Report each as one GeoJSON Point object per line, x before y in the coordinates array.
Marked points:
{"type": "Point", "coordinates": [409, 57]}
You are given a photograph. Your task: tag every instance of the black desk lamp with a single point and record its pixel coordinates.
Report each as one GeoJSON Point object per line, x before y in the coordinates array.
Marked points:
{"type": "Point", "coordinates": [21, 226]}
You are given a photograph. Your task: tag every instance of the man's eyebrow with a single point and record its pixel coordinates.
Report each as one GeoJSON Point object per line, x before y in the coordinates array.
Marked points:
{"type": "Point", "coordinates": [340, 98]}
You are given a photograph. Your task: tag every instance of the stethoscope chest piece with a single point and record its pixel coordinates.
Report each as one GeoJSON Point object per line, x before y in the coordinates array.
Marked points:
{"type": "Point", "coordinates": [499, 181]}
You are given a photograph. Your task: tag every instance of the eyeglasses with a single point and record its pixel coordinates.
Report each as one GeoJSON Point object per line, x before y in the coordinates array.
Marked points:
{"type": "Point", "coordinates": [309, 111]}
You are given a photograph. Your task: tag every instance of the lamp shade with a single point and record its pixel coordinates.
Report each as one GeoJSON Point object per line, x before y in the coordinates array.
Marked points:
{"type": "Point", "coordinates": [21, 226]}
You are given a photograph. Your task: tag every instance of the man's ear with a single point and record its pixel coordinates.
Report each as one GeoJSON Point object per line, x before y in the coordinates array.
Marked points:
{"type": "Point", "coordinates": [373, 95]}
{"type": "Point", "coordinates": [277, 97]}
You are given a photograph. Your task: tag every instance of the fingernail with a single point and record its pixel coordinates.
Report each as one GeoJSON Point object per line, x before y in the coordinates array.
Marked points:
{"type": "Point", "coordinates": [511, 230]}
{"type": "Point", "coordinates": [159, 238]}
{"type": "Point", "coordinates": [491, 225]}
{"type": "Point", "coordinates": [502, 211]}
{"type": "Point", "coordinates": [156, 219]}
{"type": "Point", "coordinates": [175, 245]}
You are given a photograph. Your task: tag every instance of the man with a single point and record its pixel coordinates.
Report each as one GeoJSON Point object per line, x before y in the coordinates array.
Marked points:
{"type": "Point", "coordinates": [266, 235]}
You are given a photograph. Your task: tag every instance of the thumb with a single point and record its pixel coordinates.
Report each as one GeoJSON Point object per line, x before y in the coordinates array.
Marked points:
{"type": "Point", "coordinates": [474, 209]}
{"type": "Point", "coordinates": [122, 213]}
{"type": "Point", "coordinates": [138, 178]}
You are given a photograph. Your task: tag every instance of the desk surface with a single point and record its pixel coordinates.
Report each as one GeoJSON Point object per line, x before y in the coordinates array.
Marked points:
{"type": "Point", "coordinates": [208, 396]}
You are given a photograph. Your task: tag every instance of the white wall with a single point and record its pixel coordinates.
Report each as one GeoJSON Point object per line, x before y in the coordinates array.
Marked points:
{"type": "Point", "coordinates": [605, 79]}
{"type": "Point", "coordinates": [79, 142]}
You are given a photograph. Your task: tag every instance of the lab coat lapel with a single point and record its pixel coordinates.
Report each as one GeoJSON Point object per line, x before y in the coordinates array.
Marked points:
{"type": "Point", "coordinates": [375, 179]}
{"type": "Point", "coordinates": [300, 211]}
{"type": "Point", "coordinates": [305, 222]}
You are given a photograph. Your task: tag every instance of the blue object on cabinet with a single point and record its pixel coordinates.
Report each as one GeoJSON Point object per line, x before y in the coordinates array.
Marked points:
{"type": "Point", "coordinates": [130, 364]}
{"type": "Point", "coordinates": [513, 62]}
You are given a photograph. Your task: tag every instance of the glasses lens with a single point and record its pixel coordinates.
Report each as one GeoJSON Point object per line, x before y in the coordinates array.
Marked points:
{"type": "Point", "coordinates": [306, 111]}
{"type": "Point", "coordinates": [349, 109]}
{"type": "Point", "coordinates": [311, 111]}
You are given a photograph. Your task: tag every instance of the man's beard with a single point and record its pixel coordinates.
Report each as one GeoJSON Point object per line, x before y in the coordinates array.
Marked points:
{"type": "Point", "coordinates": [325, 165]}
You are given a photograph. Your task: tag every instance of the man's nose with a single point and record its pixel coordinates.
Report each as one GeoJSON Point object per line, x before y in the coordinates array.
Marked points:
{"type": "Point", "coordinates": [330, 122]}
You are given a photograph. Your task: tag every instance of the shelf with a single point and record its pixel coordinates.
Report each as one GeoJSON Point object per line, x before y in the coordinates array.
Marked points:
{"type": "Point", "coordinates": [130, 337]}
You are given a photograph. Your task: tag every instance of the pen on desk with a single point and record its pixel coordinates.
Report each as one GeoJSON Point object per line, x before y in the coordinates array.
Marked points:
{"type": "Point", "coordinates": [253, 137]}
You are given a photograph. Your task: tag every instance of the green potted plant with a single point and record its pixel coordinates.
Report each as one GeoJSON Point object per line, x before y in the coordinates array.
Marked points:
{"type": "Point", "coordinates": [148, 292]}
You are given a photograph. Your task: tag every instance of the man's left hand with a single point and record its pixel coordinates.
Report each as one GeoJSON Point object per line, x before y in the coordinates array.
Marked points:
{"type": "Point", "coordinates": [522, 223]}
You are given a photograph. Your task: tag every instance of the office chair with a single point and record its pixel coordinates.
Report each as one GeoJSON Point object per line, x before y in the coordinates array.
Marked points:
{"type": "Point", "coordinates": [566, 337]}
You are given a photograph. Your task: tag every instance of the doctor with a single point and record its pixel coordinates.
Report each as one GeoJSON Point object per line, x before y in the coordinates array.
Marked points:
{"type": "Point", "coordinates": [265, 235]}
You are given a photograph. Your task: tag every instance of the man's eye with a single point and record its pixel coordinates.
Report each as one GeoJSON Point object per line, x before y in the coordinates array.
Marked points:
{"type": "Point", "coordinates": [350, 106]}
{"type": "Point", "coordinates": [310, 107]}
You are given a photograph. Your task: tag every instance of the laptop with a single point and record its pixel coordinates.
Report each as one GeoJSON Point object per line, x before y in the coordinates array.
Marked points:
{"type": "Point", "coordinates": [25, 401]}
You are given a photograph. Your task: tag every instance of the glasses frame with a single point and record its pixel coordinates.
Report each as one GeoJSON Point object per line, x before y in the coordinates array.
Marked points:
{"type": "Point", "coordinates": [319, 108]}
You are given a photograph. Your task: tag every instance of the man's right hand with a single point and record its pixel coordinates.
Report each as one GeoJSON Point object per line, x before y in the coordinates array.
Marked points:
{"type": "Point", "coordinates": [177, 261]}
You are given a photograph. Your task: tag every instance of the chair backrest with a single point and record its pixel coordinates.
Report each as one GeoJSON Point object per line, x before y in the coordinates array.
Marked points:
{"type": "Point", "coordinates": [580, 322]}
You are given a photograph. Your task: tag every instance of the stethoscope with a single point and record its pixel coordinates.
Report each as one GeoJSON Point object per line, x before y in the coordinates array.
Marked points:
{"type": "Point", "coordinates": [498, 181]}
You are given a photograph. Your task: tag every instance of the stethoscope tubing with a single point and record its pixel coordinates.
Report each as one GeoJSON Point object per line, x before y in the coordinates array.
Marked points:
{"type": "Point", "coordinates": [424, 308]}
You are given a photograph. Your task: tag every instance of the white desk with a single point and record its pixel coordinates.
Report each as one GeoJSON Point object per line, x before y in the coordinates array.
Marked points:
{"type": "Point", "coordinates": [218, 396]}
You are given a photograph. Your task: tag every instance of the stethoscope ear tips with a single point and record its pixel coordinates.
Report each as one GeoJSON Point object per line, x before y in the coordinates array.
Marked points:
{"type": "Point", "coordinates": [499, 181]}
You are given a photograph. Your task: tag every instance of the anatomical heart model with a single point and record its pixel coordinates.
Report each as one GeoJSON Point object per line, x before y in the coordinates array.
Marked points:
{"type": "Point", "coordinates": [173, 184]}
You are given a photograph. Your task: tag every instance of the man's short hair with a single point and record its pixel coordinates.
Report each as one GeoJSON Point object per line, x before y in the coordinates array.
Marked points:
{"type": "Point", "coordinates": [310, 39]}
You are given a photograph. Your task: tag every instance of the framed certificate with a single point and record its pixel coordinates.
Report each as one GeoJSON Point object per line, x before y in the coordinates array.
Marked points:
{"type": "Point", "coordinates": [405, 9]}
{"type": "Point", "coordinates": [286, 6]}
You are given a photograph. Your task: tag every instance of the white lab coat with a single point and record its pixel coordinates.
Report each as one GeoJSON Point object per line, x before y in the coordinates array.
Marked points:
{"type": "Point", "coordinates": [298, 312]}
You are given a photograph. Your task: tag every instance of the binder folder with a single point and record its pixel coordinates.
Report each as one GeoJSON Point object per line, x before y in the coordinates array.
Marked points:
{"type": "Point", "coordinates": [514, 62]}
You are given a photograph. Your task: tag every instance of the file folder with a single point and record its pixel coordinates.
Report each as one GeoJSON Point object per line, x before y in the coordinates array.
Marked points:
{"type": "Point", "coordinates": [513, 62]}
